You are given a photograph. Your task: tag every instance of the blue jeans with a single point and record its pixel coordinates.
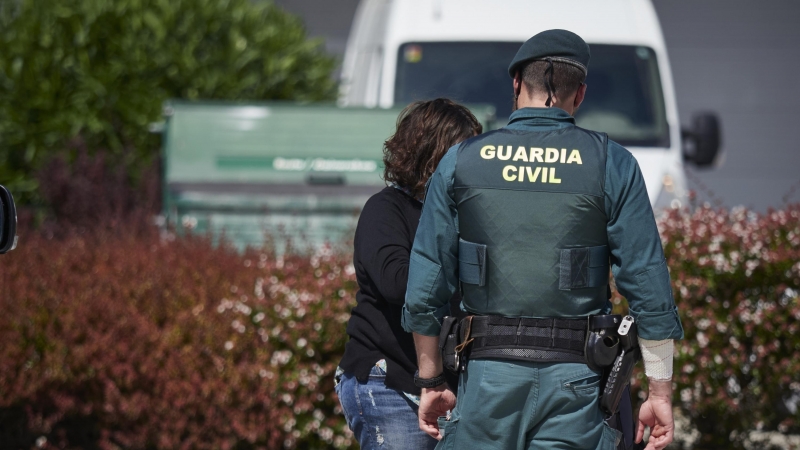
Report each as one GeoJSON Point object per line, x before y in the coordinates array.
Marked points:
{"type": "Point", "coordinates": [381, 418]}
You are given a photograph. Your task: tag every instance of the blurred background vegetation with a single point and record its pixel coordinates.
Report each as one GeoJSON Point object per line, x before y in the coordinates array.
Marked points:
{"type": "Point", "coordinates": [94, 73]}
{"type": "Point", "coordinates": [118, 335]}
{"type": "Point", "coordinates": [736, 281]}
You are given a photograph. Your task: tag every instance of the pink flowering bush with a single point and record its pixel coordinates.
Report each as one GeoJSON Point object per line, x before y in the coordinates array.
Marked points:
{"type": "Point", "coordinates": [736, 278]}
{"type": "Point", "coordinates": [135, 340]}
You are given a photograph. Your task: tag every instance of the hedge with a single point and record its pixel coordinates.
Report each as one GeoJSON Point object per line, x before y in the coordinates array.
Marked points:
{"type": "Point", "coordinates": [116, 339]}
{"type": "Point", "coordinates": [143, 341]}
{"type": "Point", "coordinates": [736, 278]}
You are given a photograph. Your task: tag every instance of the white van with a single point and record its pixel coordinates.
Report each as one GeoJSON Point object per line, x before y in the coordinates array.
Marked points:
{"type": "Point", "coordinates": [404, 50]}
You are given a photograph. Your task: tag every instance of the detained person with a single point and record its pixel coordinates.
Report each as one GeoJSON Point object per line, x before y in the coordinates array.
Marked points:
{"type": "Point", "coordinates": [375, 379]}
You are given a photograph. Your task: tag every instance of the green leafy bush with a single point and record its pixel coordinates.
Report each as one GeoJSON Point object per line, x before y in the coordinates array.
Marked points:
{"type": "Point", "coordinates": [101, 70]}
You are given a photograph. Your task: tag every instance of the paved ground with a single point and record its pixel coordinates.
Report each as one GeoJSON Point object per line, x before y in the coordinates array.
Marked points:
{"type": "Point", "coordinates": [740, 58]}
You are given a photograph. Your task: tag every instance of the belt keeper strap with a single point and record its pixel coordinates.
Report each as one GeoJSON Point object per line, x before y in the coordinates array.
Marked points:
{"type": "Point", "coordinates": [467, 339]}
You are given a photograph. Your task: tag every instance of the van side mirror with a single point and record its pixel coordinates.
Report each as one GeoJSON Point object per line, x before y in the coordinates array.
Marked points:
{"type": "Point", "coordinates": [701, 141]}
{"type": "Point", "coordinates": [8, 221]}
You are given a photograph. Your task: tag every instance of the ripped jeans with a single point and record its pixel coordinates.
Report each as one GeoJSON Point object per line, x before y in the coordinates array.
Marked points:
{"type": "Point", "coordinates": [381, 418]}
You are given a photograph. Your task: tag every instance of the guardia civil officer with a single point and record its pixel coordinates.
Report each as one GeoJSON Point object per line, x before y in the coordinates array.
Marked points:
{"type": "Point", "coordinates": [525, 221]}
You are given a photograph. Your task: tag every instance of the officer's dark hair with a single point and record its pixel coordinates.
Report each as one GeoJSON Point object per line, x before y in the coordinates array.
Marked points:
{"type": "Point", "coordinates": [566, 78]}
{"type": "Point", "coordinates": [425, 130]}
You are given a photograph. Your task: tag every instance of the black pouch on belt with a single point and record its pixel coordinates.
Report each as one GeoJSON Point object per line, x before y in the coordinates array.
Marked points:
{"type": "Point", "coordinates": [602, 341]}
{"type": "Point", "coordinates": [448, 340]}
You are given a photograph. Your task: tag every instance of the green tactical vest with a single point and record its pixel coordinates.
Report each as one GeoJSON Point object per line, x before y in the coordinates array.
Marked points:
{"type": "Point", "coordinates": [532, 223]}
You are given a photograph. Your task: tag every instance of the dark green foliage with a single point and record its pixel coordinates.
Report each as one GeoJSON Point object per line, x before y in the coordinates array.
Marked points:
{"type": "Point", "coordinates": [101, 69]}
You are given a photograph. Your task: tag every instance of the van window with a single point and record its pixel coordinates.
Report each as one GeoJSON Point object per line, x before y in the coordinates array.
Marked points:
{"type": "Point", "coordinates": [466, 72]}
{"type": "Point", "coordinates": [624, 97]}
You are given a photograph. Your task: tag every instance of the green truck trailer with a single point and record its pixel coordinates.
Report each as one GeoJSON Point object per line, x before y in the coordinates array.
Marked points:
{"type": "Point", "coordinates": [273, 173]}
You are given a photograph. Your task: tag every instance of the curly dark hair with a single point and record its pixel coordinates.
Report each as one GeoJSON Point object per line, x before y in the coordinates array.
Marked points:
{"type": "Point", "coordinates": [425, 130]}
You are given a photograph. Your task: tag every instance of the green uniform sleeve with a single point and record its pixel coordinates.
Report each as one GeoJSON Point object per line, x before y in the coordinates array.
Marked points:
{"type": "Point", "coordinates": [433, 266]}
{"type": "Point", "coordinates": [637, 258]}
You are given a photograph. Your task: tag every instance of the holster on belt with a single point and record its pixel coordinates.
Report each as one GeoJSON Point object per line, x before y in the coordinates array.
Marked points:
{"type": "Point", "coordinates": [615, 396]}
{"type": "Point", "coordinates": [448, 340]}
{"type": "Point", "coordinates": [617, 376]}
{"type": "Point", "coordinates": [602, 341]}
{"type": "Point", "coordinates": [454, 353]}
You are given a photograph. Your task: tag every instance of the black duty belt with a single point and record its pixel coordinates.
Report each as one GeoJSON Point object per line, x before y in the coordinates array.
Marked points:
{"type": "Point", "coordinates": [605, 343]}
{"type": "Point", "coordinates": [519, 338]}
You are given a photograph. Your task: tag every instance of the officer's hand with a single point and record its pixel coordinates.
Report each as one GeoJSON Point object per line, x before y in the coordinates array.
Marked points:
{"type": "Point", "coordinates": [656, 413]}
{"type": "Point", "coordinates": [433, 403]}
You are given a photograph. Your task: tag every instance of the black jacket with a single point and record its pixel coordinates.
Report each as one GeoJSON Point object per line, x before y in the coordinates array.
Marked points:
{"type": "Point", "coordinates": [383, 240]}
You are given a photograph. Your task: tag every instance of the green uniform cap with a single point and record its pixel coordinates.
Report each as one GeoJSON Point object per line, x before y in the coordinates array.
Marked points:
{"type": "Point", "coordinates": [557, 45]}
